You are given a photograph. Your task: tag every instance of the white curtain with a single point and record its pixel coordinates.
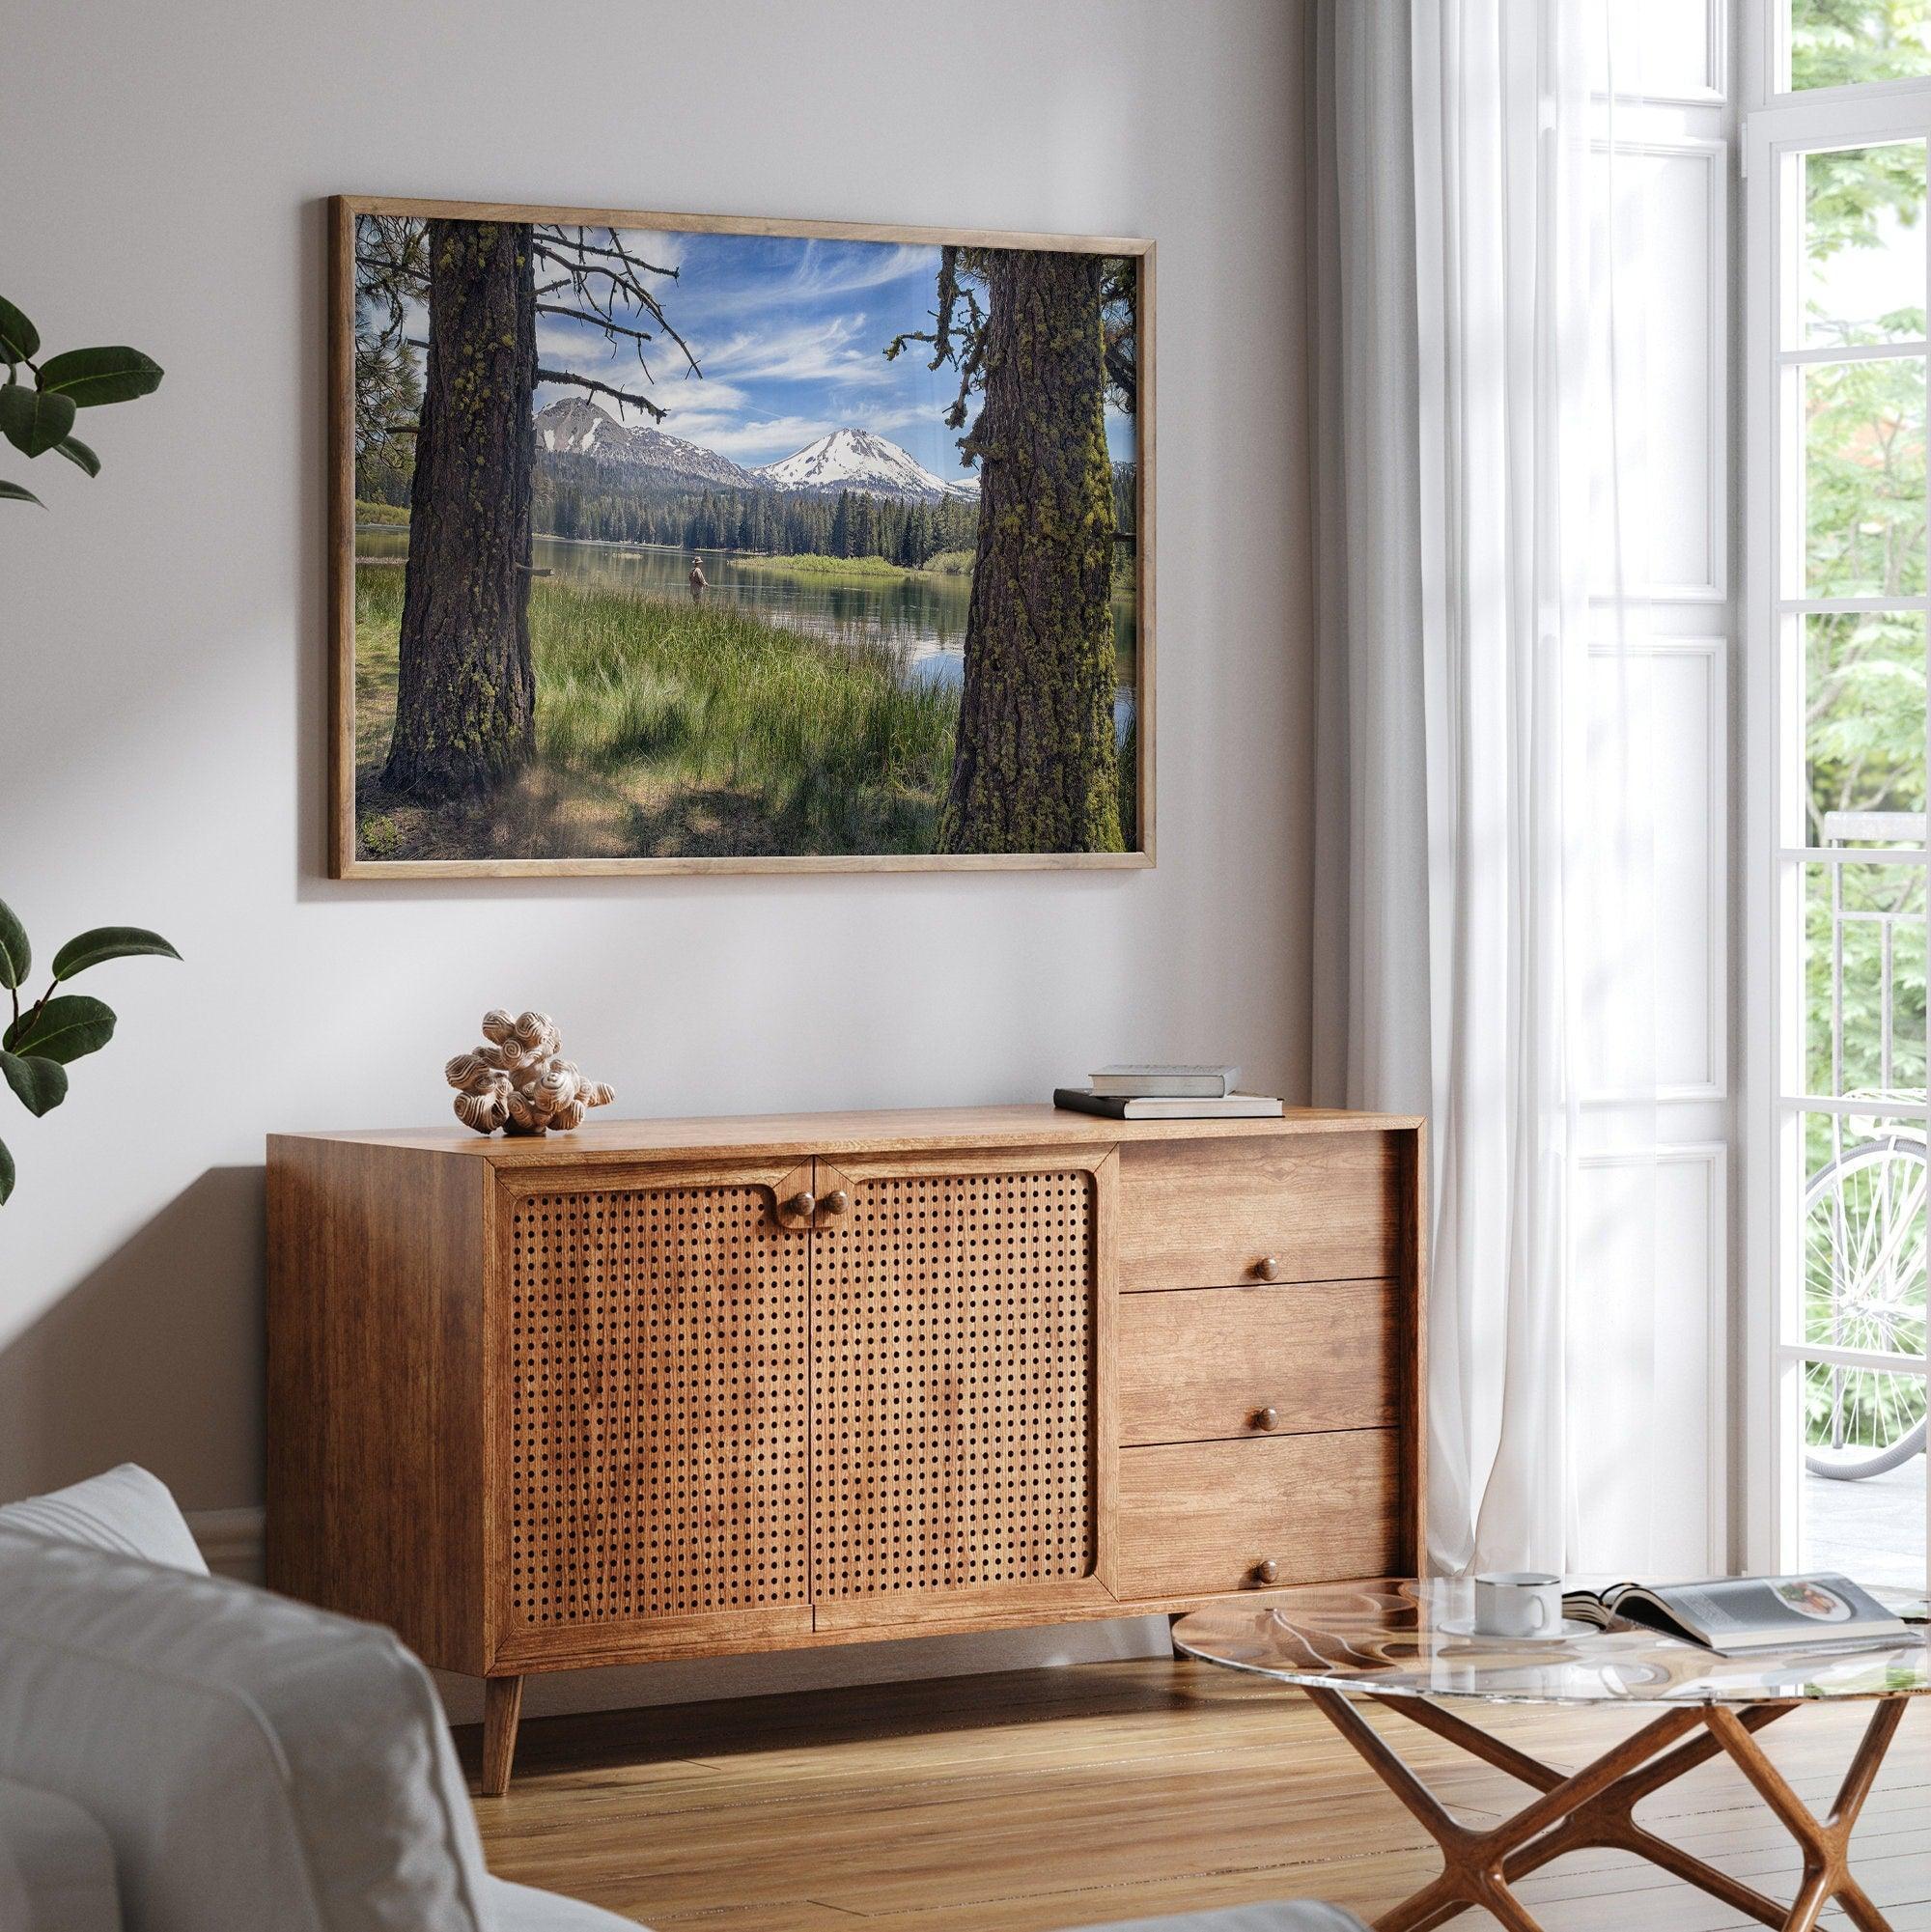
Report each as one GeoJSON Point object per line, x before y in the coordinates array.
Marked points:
{"type": "Point", "coordinates": [1480, 713]}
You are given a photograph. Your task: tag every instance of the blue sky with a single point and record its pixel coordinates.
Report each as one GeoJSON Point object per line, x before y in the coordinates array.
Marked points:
{"type": "Point", "coordinates": [790, 334]}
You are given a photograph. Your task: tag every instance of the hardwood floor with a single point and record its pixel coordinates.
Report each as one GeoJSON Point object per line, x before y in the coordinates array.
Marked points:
{"type": "Point", "coordinates": [1051, 1799]}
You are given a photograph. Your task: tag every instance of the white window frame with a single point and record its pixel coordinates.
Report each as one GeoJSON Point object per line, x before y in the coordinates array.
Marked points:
{"type": "Point", "coordinates": [1778, 127]}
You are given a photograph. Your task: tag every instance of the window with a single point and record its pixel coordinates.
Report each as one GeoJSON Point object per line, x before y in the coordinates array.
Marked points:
{"type": "Point", "coordinates": [1853, 42]}
{"type": "Point", "coordinates": [1835, 541]}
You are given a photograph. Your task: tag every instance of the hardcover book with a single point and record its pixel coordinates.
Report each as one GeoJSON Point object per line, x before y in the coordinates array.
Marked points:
{"type": "Point", "coordinates": [1167, 1107]}
{"type": "Point", "coordinates": [1197, 1082]}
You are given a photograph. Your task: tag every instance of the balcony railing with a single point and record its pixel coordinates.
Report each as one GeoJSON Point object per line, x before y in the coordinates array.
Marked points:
{"type": "Point", "coordinates": [1864, 1311]}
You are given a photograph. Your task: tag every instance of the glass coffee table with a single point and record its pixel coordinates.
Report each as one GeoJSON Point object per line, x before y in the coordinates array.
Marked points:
{"type": "Point", "coordinates": [1405, 1644]}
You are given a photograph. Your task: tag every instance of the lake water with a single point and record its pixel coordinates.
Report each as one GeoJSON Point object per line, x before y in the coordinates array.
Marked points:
{"type": "Point", "coordinates": [923, 616]}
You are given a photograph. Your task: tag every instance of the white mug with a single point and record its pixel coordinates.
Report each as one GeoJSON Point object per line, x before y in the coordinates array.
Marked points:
{"type": "Point", "coordinates": [1518, 1602]}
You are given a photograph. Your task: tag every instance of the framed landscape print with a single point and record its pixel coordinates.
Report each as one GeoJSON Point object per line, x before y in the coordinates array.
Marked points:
{"type": "Point", "coordinates": [677, 543]}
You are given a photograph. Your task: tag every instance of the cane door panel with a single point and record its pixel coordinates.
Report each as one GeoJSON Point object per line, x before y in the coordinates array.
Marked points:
{"type": "Point", "coordinates": [957, 1351]}
{"type": "Point", "coordinates": [657, 1403]}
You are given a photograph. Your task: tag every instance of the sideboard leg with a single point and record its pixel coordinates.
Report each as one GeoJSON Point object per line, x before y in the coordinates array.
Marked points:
{"type": "Point", "coordinates": [502, 1707]}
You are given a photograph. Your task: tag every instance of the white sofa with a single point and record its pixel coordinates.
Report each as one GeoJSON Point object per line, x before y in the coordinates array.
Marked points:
{"type": "Point", "coordinates": [184, 1753]}
{"type": "Point", "coordinates": [238, 1760]}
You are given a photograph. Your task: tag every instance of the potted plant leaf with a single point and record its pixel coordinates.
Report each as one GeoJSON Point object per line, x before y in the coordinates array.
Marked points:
{"type": "Point", "coordinates": [47, 1035]}
{"type": "Point", "coordinates": [44, 1038]}
{"type": "Point", "coordinates": [38, 416]}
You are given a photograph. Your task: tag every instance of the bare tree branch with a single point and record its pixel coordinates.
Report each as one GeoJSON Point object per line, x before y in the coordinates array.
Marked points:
{"type": "Point", "coordinates": [964, 344]}
{"type": "Point", "coordinates": [607, 326]}
{"type": "Point", "coordinates": [602, 388]}
{"type": "Point", "coordinates": [617, 250]}
{"type": "Point", "coordinates": [605, 277]}
{"type": "Point", "coordinates": [611, 281]}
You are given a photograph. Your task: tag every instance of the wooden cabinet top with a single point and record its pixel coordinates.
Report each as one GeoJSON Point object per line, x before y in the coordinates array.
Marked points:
{"type": "Point", "coordinates": [883, 1130]}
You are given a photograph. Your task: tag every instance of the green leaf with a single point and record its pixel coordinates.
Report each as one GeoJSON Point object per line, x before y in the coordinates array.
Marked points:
{"type": "Point", "coordinates": [78, 451]}
{"type": "Point", "coordinates": [11, 492]}
{"type": "Point", "coordinates": [64, 1029]}
{"type": "Point", "coordinates": [17, 956]}
{"type": "Point", "coordinates": [19, 340]}
{"type": "Point", "coordinates": [41, 1084]}
{"type": "Point", "coordinates": [107, 942]}
{"type": "Point", "coordinates": [91, 376]}
{"type": "Point", "coordinates": [34, 420]}
{"type": "Point", "coordinates": [6, 1174]}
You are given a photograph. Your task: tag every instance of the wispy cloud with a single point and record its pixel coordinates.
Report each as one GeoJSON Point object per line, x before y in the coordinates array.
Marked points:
{"type": "Point", "coordinates": [843, 267]}
{"type": "Point", "coordinates": [761, 440]}
{"type": "Point", "coordinates": [561, 336]}
{"type": "Point", "coordinates": [831, 349]}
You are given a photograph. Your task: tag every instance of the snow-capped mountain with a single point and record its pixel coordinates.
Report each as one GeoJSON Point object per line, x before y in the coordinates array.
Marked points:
{"type": "Point", "coordinates": [575, 426]}
{"type": "Point", "coordinates": [859, 460]}
{"type": "Point", "coordinates": [845, 460]}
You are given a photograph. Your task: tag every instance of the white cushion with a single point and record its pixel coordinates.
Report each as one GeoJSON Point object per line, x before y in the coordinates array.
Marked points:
{"type": "Point", "coordinates": [518, 1908]}
{"type": "Point", "coordinates": [1293, 1915]}
{"type": "Point", "coordinates": [127, 1509]}
{"type": "Point", "coordinates": [256, 1763]}
{"type": "Point", "coordinates": [56, 1865]}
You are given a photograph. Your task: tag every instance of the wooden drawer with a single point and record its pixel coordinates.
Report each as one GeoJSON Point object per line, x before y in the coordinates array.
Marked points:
{"type": "Point", "coordinates": [1210, 1213]}
{"type": "Point", "coordinates": [1200, 1518]}
{"type": "Point", "coordinates": [1207, 1363]}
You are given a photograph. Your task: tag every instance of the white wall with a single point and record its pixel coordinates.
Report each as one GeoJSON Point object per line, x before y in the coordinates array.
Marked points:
{"type": "Point", "coordinates": [162, 655]}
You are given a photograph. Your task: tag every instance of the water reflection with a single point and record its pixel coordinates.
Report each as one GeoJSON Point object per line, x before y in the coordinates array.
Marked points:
{"type": "Point", "coordinates": [923, 616]}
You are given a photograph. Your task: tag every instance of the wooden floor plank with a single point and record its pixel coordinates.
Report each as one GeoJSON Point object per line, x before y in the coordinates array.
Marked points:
{"type": "Point", "coordinates": [1051, 1799]}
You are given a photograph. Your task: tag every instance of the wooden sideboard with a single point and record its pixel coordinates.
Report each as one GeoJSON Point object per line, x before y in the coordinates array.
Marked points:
{"type": "Point", "coordinates": [672, 1388]}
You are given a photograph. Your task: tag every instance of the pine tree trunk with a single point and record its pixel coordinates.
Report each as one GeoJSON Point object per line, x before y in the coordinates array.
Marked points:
{"type": "Point", "coordinates": [466, 700]}
{"type": "Point", "coordinates": [1034, 767]}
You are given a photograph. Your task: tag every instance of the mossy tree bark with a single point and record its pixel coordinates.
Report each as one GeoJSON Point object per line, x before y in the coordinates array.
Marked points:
{"type": "Point", "coordinates": [1034, 767]}
{"type": "Point", "coordinates": [465, 699]}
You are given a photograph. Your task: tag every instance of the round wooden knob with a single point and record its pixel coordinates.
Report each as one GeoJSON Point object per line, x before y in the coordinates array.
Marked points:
{"type": "Point", "coordinates": [803, 1205]}
{"type": "Point", "coordinates": [835, 1202]}
{"type": "Point", "coordinates": [1267, 1418]}
{"type": "Point", "coordinates": [1267, 1267]}
{"type": "Point", "coordinates": [1267, 1570]}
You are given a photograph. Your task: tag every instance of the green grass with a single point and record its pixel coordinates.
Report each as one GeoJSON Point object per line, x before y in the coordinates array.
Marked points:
{"type": "Point", "coordinates": [659, 724]}
{"type": "Point", "coordinates": [859, 569]}
{"type": "Point", "coordinates": [380, 512]}
{"type": "Point", "coordinates": [869, 570]}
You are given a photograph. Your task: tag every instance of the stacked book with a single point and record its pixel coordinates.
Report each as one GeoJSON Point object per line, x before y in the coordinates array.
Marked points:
{"type": "Point", "coordinates": [1166, 1093]}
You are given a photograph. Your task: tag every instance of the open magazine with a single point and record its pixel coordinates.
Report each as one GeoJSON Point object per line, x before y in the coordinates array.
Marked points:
{"type": "Point", "coordinates": [1736, 1616]}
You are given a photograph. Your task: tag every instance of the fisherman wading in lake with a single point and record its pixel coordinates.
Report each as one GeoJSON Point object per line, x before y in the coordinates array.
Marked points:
{"type": "Point", "coordinates": [699, 582]}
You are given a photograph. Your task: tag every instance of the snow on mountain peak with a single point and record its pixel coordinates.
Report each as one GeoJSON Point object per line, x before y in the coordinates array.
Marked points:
{"type": "Point", "coordinates": [857, 460]}
{"type": "Point", "coordinates": [575, 426]}
{"type": "Point", "coordinates": [848, 459]}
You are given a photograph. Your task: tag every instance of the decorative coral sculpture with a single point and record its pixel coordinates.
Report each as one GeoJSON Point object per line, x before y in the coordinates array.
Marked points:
{"type": "Point", "coordinates": [518, 1079]}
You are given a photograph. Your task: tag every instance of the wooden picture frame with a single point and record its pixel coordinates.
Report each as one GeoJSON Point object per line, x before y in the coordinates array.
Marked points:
{"type": "Point", "coordinates": [348, 853]}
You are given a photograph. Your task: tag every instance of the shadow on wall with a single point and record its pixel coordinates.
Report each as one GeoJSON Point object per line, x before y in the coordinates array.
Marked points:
{"type": "Point", "coordinates": [156, 1358]}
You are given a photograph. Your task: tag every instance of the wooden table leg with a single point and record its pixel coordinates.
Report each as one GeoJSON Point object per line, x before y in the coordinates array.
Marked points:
{"type": "Point", "coordinates": [1610, 1821]}
{"type": "Point", "coordinates": [1473, 1863]}
{"type": "Point", "coordinates": [502, 1708]}
{"type": "Point", "coordinates": [1826, 1842]}
{"type": "Point", "coordinates": [1595, 1808]}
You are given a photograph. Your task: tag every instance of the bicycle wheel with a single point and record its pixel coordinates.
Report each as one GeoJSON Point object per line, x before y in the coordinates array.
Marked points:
{"type": "Point", "coordinates": [1863, 1288]}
